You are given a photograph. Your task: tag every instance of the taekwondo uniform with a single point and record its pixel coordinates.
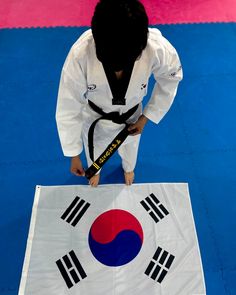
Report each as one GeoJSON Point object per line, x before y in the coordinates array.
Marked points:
{"type": "Point", "coordinates": [85, 81]}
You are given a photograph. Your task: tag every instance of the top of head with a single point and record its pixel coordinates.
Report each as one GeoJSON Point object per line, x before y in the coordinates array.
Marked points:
{"type": "Point", "coordinates": [120, 30]}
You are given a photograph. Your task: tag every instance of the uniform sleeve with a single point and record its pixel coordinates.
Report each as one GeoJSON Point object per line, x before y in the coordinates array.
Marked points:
{"type": "Point", "coordinates": [70, 105]}
{"type": "Point", "coordinates": [167, 71]}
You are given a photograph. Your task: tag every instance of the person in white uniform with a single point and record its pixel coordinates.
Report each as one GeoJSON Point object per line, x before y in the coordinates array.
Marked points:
{"type": "Point", "coordinates": [108, 68]}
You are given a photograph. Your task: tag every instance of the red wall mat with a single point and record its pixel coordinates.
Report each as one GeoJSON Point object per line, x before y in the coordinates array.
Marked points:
{"type": "Point", "coordinates": [32, 13]}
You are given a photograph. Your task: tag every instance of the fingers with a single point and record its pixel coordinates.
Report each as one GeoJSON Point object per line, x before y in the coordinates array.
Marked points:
{"type": "Point", "coordinates": [133, 130]}
{"type": "Point", "coordinates": [129, 178]}
{"type": "Point", "coordinates": [77, 167]}
{"type": "Point", "coordinates": [135, 133]}
{"type": "Point", "coordinates": [138, 126]}
{"type": "Point", "coordinates": [75, 173]}
{"type": "Point", "coordinates": [78, 172]}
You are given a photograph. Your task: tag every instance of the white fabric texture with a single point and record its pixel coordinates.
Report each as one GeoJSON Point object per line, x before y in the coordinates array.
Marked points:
{"type": "Point", "coordinates": [51, 238]}
{"type": "Point", "coordinates": [83, 78]}
{"type": "Point", "coordinates": [129, 153]}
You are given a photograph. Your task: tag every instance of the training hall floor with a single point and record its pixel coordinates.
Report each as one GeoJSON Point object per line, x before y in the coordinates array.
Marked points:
{"type": "Point", "coordinates": [194, 143]}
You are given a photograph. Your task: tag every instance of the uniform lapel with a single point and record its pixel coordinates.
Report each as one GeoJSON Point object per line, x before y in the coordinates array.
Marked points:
{"type": "Point", "coordinates": [118, 87]}
{"type": "Point", "coordinates": [136, 78]}
{"type": "Point", "coordinates": [132, 82]}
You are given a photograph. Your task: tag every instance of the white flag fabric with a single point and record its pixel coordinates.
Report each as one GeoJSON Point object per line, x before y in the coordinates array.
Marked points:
{"type": "Point", "coordinates": [112, 240]}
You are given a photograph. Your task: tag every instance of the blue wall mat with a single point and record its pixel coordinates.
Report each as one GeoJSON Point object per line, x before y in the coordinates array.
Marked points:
{"type": "Point", "coordinates": [195, 143]}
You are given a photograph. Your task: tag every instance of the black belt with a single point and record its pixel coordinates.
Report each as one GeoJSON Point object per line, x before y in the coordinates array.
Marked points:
{"type": "Point", "coordinates": [114, 145]}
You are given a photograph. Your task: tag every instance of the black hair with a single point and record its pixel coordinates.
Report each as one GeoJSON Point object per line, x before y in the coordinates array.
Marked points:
{"type": "Point", "coordinates": [120, 31]}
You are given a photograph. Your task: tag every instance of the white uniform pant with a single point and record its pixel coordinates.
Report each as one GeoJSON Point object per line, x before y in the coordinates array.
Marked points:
{"type": "Point", "coordinates": [128, 153]}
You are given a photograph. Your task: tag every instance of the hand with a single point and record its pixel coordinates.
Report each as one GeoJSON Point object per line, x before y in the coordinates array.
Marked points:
{"type": "Point", "coordinates": [76, 167]}
{"type": "Point", "coordinates": [137, 127]}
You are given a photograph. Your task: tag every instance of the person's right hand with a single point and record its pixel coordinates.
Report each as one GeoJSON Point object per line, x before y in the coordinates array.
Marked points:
{"type": "Point", "coordinates": [76, 167]}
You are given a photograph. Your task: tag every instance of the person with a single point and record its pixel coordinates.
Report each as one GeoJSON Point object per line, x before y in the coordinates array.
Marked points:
{"type": "Point", "coordinates": [107, 70]}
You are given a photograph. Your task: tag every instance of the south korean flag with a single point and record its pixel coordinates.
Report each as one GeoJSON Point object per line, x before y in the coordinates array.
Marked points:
{"type": "Point", "coordinates": [113, 239]}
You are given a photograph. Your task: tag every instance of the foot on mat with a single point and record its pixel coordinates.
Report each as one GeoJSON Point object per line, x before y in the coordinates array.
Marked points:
{"type": "Point", "coordinates": [129, 177]}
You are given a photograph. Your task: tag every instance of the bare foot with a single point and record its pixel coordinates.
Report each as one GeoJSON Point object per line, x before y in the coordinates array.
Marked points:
{"type": "Point", "coordinates": [93, 181]}
{"type": "Point", "coordinates": [129, 177]}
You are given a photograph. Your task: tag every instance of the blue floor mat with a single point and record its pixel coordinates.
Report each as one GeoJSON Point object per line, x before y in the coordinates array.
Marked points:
{"type": "Point", "coordinates": [195, 142]}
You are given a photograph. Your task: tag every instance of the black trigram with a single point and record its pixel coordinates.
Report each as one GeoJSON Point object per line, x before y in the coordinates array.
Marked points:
{"type": "Point", "coordinates": [159, 265]}
{"type": "Point", "coordinates": [75, 211]}
{"type": "Point", "coordinates": [155, 209]}
{"type": "Point", "coordinates": [71, 269]}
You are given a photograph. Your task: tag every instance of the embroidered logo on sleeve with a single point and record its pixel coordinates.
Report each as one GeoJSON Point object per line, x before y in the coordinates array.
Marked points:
{"type": "Point", "coordinates": [173, 74]}
{"type": "Point", "coordinates": [143, 86]}
{"type": "Point", "coordinates": [92, 87]}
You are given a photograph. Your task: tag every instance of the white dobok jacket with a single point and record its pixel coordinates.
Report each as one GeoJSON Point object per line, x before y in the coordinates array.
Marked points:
{"type": "Point", "coordinates": [83, 78]}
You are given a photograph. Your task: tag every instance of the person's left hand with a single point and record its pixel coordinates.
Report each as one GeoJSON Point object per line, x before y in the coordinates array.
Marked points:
{"type": "Point", "coordinates": [138, 126]}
